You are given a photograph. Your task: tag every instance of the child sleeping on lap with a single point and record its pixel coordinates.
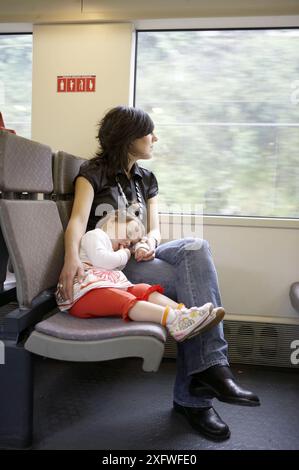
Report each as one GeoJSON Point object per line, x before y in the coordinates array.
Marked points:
{"type": "Point", "coordinates": [105, 290]}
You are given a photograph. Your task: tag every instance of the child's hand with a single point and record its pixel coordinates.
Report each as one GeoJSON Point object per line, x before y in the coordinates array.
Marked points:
{"type": "Point", "coordinates": [121, 247]}
{"type": "Point", "coordinates": [144, 255]}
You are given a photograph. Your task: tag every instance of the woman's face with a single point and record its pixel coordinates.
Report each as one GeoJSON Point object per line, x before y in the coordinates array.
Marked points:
{"type": "Point", "coordinates": [143, 147]}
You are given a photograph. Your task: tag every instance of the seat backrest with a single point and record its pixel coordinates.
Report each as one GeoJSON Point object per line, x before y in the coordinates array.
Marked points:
{"type": "Point", "coordinates": [2, 125]}
{"type": "Point", "coordinates": [31, 228]}
{"type": "Point", "coordinates": [65, 169]}
{"type": "Point", "coordinates": [3, 260]}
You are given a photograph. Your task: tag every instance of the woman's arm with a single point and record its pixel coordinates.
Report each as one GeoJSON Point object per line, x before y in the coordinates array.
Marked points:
{"type": "Point", "coordinates": [153, 220]}
{"type": "Point", "coordinates": [153, 235]}
{"type": "Point", "coordinates": [83, 199]}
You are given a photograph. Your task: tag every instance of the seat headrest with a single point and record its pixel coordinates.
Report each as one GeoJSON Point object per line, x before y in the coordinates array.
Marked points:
{"type": "Point", "coordinates": [25, 165]}
{"type": "Point", "coordinates": [294, 295]}
{"type": "Point", "coordinates": [65, 169]}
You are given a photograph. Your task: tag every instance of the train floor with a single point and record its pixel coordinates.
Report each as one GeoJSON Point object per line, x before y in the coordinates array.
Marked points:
{"type": "Point", "coordinates": [115, 405]}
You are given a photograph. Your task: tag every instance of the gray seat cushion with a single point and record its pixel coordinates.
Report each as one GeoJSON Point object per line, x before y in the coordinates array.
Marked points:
{"type": "Point", "coordinates": [64, 326]}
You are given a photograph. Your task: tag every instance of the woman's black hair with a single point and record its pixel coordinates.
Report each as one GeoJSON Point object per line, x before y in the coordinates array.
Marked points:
{"type": "Point", "coordinates": [117, 130]}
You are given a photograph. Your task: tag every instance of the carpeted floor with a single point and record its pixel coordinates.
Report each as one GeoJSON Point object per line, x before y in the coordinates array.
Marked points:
{"type": "Point", "coordinates": [115, 405]}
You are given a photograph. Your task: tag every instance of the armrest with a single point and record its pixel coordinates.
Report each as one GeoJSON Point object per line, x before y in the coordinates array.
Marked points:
{"type": "Point", "coordinates": [20, 319]}
{"type": "Point", "coordinates": [7, 295]}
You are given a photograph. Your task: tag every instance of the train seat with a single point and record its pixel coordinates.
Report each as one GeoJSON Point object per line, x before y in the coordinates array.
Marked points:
{"type": "Point", "coordinates": [6, 295]}
{"type": "Point", "coordinates": [3, 261]}
{"type": "Point", "coordinates": [33, 233]}
{"type": "Point", "coordinates": [34, 236]}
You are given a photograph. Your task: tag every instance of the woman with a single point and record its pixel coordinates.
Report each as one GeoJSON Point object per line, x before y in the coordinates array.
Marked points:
{"type": "Point", "coordinates": [114, 180]}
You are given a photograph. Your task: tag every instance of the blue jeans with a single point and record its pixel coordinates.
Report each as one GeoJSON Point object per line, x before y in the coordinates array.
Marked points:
{"type": "Point", "coordinates": [188, 276]}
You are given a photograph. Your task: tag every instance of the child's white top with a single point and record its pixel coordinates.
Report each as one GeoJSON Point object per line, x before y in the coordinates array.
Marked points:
{"type": "Point", "coordinates": [102, 267]}
{"type": "Point", "coordinates": [96, 249]}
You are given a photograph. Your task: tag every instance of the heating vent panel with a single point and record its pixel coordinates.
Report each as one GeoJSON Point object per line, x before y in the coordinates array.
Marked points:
{"type": "Point", "coordinates": [255, 343]}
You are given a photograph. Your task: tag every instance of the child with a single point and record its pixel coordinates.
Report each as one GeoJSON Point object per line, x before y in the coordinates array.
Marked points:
{"type": "Point", "coordinates": [105, 290]}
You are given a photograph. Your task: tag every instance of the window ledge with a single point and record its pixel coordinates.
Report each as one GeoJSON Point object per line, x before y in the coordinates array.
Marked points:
{"type": "Point", "coordinates": [231, 221]}
{"type": "Point", "coordinates": [259, 222]}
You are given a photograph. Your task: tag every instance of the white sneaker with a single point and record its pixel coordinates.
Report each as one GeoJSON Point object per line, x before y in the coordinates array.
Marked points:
{"type": "Point", "coordinates": [188, 320]}
{"type": "Point", "coordinates": [213, 319]}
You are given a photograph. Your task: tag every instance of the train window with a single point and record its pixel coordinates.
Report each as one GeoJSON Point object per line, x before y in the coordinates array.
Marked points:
{"type": "Point", "coordinates": [16, 81]}
{"type": "Point", "coordinates": [226, 109]}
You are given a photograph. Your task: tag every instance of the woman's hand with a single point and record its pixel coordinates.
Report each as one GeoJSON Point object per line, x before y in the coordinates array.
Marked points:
{"type": "Point", "coordinates": [71, 268]}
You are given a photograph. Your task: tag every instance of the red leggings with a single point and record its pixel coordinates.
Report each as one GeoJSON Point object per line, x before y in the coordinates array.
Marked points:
{"type": "Point", "coordinates": [112, 302]}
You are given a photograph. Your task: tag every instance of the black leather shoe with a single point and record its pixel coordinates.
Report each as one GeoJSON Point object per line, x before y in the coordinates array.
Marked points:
{"type": "Point", "coordinates": [206, 421]}
{"type": "Point", "coordinates": [219, 382]}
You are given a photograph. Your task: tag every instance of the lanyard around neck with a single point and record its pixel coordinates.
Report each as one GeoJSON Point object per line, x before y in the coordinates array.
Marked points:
{"type": "Point", "coordinates": [139, 211]}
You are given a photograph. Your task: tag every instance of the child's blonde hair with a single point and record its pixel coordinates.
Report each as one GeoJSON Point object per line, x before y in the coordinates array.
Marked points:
{"type": "Point", "coordinates": [121, 216]}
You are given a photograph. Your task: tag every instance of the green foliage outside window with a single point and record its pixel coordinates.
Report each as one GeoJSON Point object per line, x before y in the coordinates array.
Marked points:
{"type": "Point", "coordinates": [16, 81]}
{"type": "Point", "coordinates": [226, 111]}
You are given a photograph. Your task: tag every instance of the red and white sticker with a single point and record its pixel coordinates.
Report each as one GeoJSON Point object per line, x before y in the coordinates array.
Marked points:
{"type": "Point", "coordinates": [91, 83]}
{"type": "Point", "coordinates": [61, 84]}
{"type": "Point", "coordinates": [76, 83]}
